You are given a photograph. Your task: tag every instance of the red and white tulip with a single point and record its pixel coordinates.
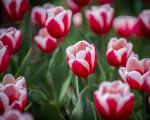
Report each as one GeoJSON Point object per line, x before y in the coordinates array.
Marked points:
{"type": "Point", "coordinates": [144, 21]}
{"type": "Point", "coordinates": [4, 58]}
{"type": "Point", "coordinates": [39, 15]}
{"type": "Point", "coordinates": [100, 18]}
{"type": "Point", "coordinates": [146, 85]}
{"type": "Point", "coordinates": [101, 2]}
{"type": "Point", "coordinates": [12, 38]}
{"type": "Point", "coordinates": [77, 20]}
{"type": "Point", "coordinates": [13, 94]}
{"type": "Point", "coordinates": [15, 9]}
{"type": "Point", "coordinates": [118, 51]}
{"type": "Point", "coordinates": [114, 101]}
{"type": "Point", "coordinates": [134, 72]}
{"type": "Point", "coordinates": [82, 58]}
{"type": "Point", "coordinates": [125, 25]}
{"type": "Point", "coordinates": [15, 115]}
{"type": "Point", "coordinates": [44, 41]}
{"type": "Point", "coordinates": [73, 6]}
{"type": "Point", "coordinates": [82, 2]}
{"type": "Point", "coordinates": [58, 21]}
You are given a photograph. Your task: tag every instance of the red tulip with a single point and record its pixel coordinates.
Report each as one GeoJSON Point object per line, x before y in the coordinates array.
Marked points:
{"type": "Point", "coordinates": [114, 101]}
{"type": "Point", "coordinates": [44, 41]}
{"type": "Point", "coordinates": [4, 58]}
{"type": "Point", "coordinates": [39, 14]}
{"type": "Point", "coordinates": [124, 25]}
{"type": "Point", "coordinates": [100, 18]}
{"type": "Point", "coordinates": [12, 38]}
{"type": "Point", "coordinates": [77, 20]}
{"type": "Point", "coordinates": [82, 2]}
{"type": "Point", "coordinates": [13, 93]}
{"type": "Point", "coordinates": [15, 9]}
{"type": "Point", "coordinates": [118, 51]}
{"type": "Point", "coordinates": [74, 7]}
{"type": "Point", "coordinates": [15, 115]}
{"type": "Point", "coordinates": [101, 2]}
{"type": "Point", "coordinates": [82, 58]}
{"type": "Point", "coordinates": [58, 22]}
{"type": "Point", "coordinates": [134, 72]}
{"type": "Point", "coordinates": [144, 20]}
{"type": "Point", "coordinates": [146, 84]}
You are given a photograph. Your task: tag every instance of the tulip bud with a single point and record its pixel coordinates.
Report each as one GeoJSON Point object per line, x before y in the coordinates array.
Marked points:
{"type": "Point", "coordinates": [134, 72]}
{"type": "Point", "coordinates": [82, 58]}
{"type": "Point", "coordinates": [101, 2]}
{"type": "Point", "coordinates": [144, 21]}
{"type": "Point", "coordinates": [75, 8]}
{"type": "Point", "coordinates": [100, 18]}
{"type": "Point", "coordinates": [114, 101]}
{"type": "Point", "coordinates": [12, 38]}
{"type": "Point", "coordinates": [77, 20]}
{"type": "Point", "coordinates": [15, 9]}
{"type": "Point", "coordinates": [13, 94]}
{"type": "Point", "coordinates": [124, 25]}
{"type": "Point", "coordinates": [118, 51]}
{"type": "Point", "coordinates": [4, 58]}
{"type": "Point", "coordinates": [15, 115]}
{"type": "Point", "coordinates": [82, 2]}
{"type": "Point", "coordinates": [44, 41]}
{"type": "Point", "coordinates": [58, 22]}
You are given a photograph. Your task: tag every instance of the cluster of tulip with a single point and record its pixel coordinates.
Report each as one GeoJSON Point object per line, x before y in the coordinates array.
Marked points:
{"type": "Point", "coordinates": [113, 100]}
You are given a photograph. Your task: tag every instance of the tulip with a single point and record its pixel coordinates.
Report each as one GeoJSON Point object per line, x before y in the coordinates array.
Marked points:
{"type": "Point", "coordinates": [101, 2]}
{"type": "Point", "coordinates": [144, 20]}
{"type": "Point", "coordinates": [146, 84]}
{"type": "Point", "coordinates": [74, 7]}
{"type": "Point", "coordinates": [124, 25]}
{"type": "Point", "coordinates": [13, 94]}
{"type": "Point", "coordinates": [44, 41]}
{"type": "Point", "coordinates": [15, 9]}
{"type": "Point", "coordinates": [58, 22]}
{"type": "Point", "coordinates": [134, 72]}
{"type": "Point", "coordinates": [12, 38]}
{"type": "Point", "coordinates": [77, 20]}
{"type": "Point", "coordinates": [82, 2]}
{"type": "Point", "coordinates": [114, 101]}
{"type": "Point", "coordinates": [4, 58]}
{"type": "Point", "coordinates": [82, 58]}
{"type": "Point", "coordinates": [39, 14]}
{"type": "Point", "coordinates": [15, 115]}
{"type": "Point", "coordinates": [100, 18]}
{"type": "Point", "coordinates": [118, 51]}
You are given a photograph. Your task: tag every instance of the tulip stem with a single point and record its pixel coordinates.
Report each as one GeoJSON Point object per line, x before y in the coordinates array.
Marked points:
{"type": "Point", "coordinates": [77, 87]}
{"type": "Point", "coordinates": [143, 106]}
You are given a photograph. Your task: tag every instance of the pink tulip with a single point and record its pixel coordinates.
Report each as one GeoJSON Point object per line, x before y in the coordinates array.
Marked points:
{"type": "Point", "coordinates": [44, 41]}
{"type": "Point", "coordinates": [124, 25]}
{"type": "Point", "coordinates": [12, 38]}
{"type": "Point", "coordinates": [13, 93]}
{"type": "Point", "coordinates": [144, 20]}
{"type": "Point", "coordinates": [100, 18]}
{"type": "Point", "coordinates": [15, 9]}
{"type": "Point", "coordinates": [146, 84]}
{"type": "Point", "coordinates": [134, 72]}
{"type": "Point", "coordinates": [39, 14]}
{"type": "Point", "coordinates": [15, 115]}
{"type": "Point", "coordinates": [4, 58]}
{"type": "Point", "coordinates": [101, 2]}
{"type": "Point", "coordinates": [82, 58]}
{"type": "Point", "coordinates": [58, 21]}
{"type": "Point", "coordinates": [114, 101]}
{"type": "Point", "coordinates": [74, 7]}
{"type": "Point", "coordinates": [118, 51]}
{"type": "Point", "coordinates": [77, 20]}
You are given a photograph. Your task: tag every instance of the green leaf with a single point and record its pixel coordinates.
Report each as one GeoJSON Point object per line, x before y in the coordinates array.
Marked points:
{"type": "Point", "coordinates": [24, 63]}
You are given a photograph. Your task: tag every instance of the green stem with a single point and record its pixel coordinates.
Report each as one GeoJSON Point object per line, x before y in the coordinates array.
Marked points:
{"type": "Point", "coordinates": [101, 70]}
{"type": "Point", "coordinates": [77, 87]}
{"type": "Point", "coordinates": [143, 106]}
